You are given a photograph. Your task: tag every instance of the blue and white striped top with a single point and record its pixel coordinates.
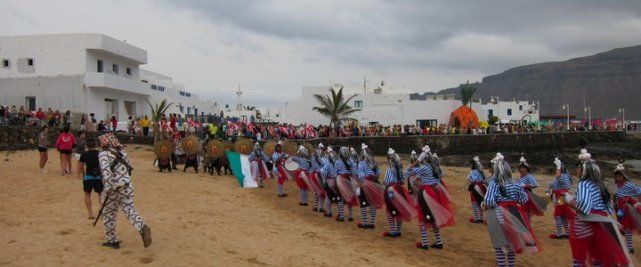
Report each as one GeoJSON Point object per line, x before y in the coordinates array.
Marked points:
{"type": "Point", "coordinates": [263, 156]}
{"type": "Point", "coordinates": [277, 156]}
{"type": "Point", "coordinates": [424, 174]}
{"type": "Point", "coordinates": [316, 166]}
{"type": "Point", "coordinates": [303, 163]}
{"type": "Point", "coordinates": [391, 176]}
{"type": "Point", "coordinates": [475, 176]}
{"type": "Point", "coordinates": [561, 182]}
{"type": "Point", "coordinates": [341, 168]}
{"type": "Point", "coordinates": [328, 170]}
{"type": "Point", "coordinates": [364, 170]}
{"type": "Point", "coordinates": [511, 192]}
{"type": "Point", "coordinates": [588, 198]}
{"type": "Point", "coordinates": [628, 189]}
{"type": "Point", "coordinates": [528, 181]}
{"type": "Point", "coordinates": [354, 166]}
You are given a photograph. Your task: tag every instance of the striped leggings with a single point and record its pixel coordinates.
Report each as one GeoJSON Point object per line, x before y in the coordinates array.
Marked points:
{"type": "Point", "coordinates": [423, 229]}
{"type": "Point", "coordinates": [504, 259]}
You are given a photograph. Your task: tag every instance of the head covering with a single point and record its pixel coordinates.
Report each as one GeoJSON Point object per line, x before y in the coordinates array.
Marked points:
{"type": "Point", "coordinates": [354, 154]}
{"type": "Point", "coordinates": [109, 140]}
{"type": "Point", "coordinates": [331, 155]}
{"type": "Point", "coordinates": [523, 163]}
{"type": "Point", "coordinates": [344, 153]}
{"type": "Point", "coordinates": [257, 148]}
{"type": "Point", "coordinates": [366, 155]}
{"type": "Point", "coordinates": [303, 151]}
{"type": "Point", "coordinates": [590, 171]}
{"type": "Point", "coordinates": [502, 170]}
{"type": "Point", "coordinates": [395, 161]}
{"type": "Point", "coordinates": [413, 157]}
{"type": "Point", "coordinates": [620, 169]}
{"type": "Point", "coordinates": [476, 163]}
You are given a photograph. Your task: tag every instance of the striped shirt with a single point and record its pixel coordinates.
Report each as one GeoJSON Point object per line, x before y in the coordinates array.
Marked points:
{"type": "Point", "coordinates": [588, 198]}
{"type": "Point", "coordinates": [262, 156]}
{"type": "Point", "coordinates": [628, 189]}
{"type": "Point", "coordinates": [303, 163]}
{"type": "Point", "coordinates": [562, 182]}
{"type": "Point", "coordinates": [528, 181]}
{"type": "Point", "coordinates": [328, 170]}
{"type": "Point", "coordinates": [511, 192]}
{"type": "Point", "coordinates": [364, 170]}
{"type": "Point", "coordinates": [391, 176]}
{"type": "Point", "coordinates": [341, 168]}
{"type": "Point", "coordinates": [424, 174]}
{"type": "Point", "coordinates": [354, 166]}
{"type": "Point", "coordinates": [276, 156]}
{"type": "Point", "coordinates": [316, 165]}
{"type": "Point", "coordinates": [476, 177]}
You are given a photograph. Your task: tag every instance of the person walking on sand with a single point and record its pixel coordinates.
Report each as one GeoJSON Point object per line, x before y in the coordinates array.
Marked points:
{"type": "Point", "coordinates": [43, 145]}
{"type": "Point", "coordinates": [118, 191]}
{"type": "Point", "coordinates": [89, 172]}
{"type": "Point", "coordinates": [65, 144]}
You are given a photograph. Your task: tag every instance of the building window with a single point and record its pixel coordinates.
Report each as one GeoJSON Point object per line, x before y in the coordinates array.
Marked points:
{"type": "Point", "coordinates": [5, 63]}
{"type": "Point", "coordinates": [99, 65]}
{"type": "Point", "coordinates": [30, 61]}
{"type": "Point", "coordinates": [128, 71]}
{"type": "Point", "coordinates": [187, 94]}
{"type": "Point", "coordinates": [490, 113]}
{"type": "Point", "coordinates": [161, 88]}
{"type": "Point", "coordinates": [114, 67]}
{"type": "Point", "coordinates": [509, 112]}
{"type": "Point", "coordinates": [182, 109]}
{"type": "Point", "coordinates": [358, 103]}
{"type": "Point", "coordinates": [153, 87]}
{"type": "Point", "coordinates": [188, 110]}
{"type": "Point", "coordinates": [31, 103]}
{"type": "Point", "coordinates": [520, 107]}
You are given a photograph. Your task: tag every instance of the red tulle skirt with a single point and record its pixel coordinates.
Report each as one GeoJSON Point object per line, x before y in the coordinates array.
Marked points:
{"type": "Point", "coordinates": [631, 214]}
{"type": "Point", "coordinates": [514, 228]}
{"type": "Point", "coordinates": [316, 185]}
{"type": "Point", "coordinates": [477, 192]}
{"type": "Point", "coordinates": [399, 204]}
{"type": "Point", "coordinates": [373, 193]}
{"type": "Point", "coordinates": [259, 170]}
{"type": "Point", "coordinates": [434, 202]}
{"type": "Point", "coordinates": [300, 176]}
{"type": "Point", "coordinates": [531, 205]}
{"type": "Point", "coordinates": [562, 209]}
{"type": "Point", "coordinates": [346, 189]}
{"type": "Point", "coordinates": [594, 241]}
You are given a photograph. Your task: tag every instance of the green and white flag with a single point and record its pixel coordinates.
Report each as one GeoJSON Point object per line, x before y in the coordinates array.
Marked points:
{"type": "Point", "coordinates": [241, 168]}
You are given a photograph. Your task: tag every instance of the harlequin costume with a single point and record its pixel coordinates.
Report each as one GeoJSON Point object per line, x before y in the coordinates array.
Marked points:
{"type": "Point", "coordinates": [369, 190]}
{"type": "Point", "coordinates": [528, 182]}
{"type": "Point", "coordinates": [344, 170]}
{"type": "Point", "coordinates": [476, 188]}
{"type": "Point", "coordinates": [398, 202]}
{"type": "Point", "coordinates": [563, 214]}
{"type": "Point", "coordinates": [301, 176]}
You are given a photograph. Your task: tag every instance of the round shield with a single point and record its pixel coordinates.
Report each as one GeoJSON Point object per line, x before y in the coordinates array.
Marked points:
{"type": "Point", "coordinates": [215, 148]}
{"type": "Point", "coordinates": [290, 147]}
{"type": "Point", "coordinates": [229, 146]}
{"type": "Point", "coordinates": [163, 149]}
{"type": "Point", "coordinates": [291, 165]}
{"type": "Point", "coordinates": [190, 144]}
{"type": "Point", "coordinates": [269, 147]}
{"type": "Point", "coordinates": [243, 146]}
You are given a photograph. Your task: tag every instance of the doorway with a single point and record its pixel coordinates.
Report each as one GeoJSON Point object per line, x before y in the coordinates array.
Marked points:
{"type": "Point", "coordinates": [31, 103]}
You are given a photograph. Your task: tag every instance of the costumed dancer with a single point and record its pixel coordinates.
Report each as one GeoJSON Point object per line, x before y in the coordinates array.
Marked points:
{"type": "Point", "coordinates": [328, 173]}
{"type": "Point", "coordinates": [399, 205]}
{"type": "Point", "coordinates": [628, 206]}
{"type": "Point", "coordinates": [369, 190]}
{"type": "Point", "coordinates": [344, 170]}
{"type": "Point", "coordinates": [563, 214]}
{"type": "Point", "coordinates": [528, 182]}
{"type": "Point", "coordinates": [279, 157]}
{"type": "Point", "coordinates": [594, 236]}
{"type": "Point", "coordinates": [191, 160]}
{"type": "Point", "coordinates": [433, 204]}
{"type": "Point", "coordinates": [301, 175]}
{"type": "Point", "coordinates": [507, 224]}
{"type": "Point", "coordinates": [477, 188]}
{"type": "Point", "coordinates": [257, 161]}
{"type": "Point", "coordinates": [316, 179]}
{"type": "Point", "coordinates": [118, 191]}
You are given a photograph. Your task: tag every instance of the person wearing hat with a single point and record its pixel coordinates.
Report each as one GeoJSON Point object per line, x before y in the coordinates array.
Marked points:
{"type": "Point", "coordinates": [328, 173]}
{"type": "Point", "coordinates": [398, 203]}
{"type": "Point", "coordinates": [318, 160]}
{"type": "Point", "coordinates": [628, 206]}
{"type": "Point", "coordinates": [344, 170]}
{"type": "Point", "coordinates": [302, 174]}
{"type": "Point", "coordinates": [528, 182]}
{"type": "Point", "coordinates": [510, 234]}
{"type": "Point", "coordinates": [476, 188]}
{"type": "Point", "coordinates": [257, 160]}
{"type": "Point", "coordinates": [563, 214]}
{"type": "Point", "coordinates": [369, 190]}
{"type": "Point", "coordinates": [279, 157]}
{"type": "Point", "coordinates": [594, 236]}
{"type": "Point", "coordinates": [118, 192]}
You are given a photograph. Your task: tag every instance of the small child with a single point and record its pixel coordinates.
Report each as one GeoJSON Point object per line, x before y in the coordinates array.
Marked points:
{"type": "Point", "coordinates": [89, 171]}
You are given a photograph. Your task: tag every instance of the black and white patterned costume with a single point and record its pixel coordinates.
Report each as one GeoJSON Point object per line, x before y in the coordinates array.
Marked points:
{"type": "Point", "coordinates": [118, 193]}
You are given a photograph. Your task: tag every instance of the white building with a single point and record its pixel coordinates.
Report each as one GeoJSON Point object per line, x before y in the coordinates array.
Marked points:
{"type": "Point", "coordinates": [378, 107]}
{"type": "Point", "coordinates": [84, 73]}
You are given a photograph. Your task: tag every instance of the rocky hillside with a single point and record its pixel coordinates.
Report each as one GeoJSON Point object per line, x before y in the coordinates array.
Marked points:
{"type": "Point", "coordinates": [609, 80]}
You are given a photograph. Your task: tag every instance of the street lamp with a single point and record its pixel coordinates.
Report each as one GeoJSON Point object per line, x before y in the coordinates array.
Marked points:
{"type": "Point", "coordinates": [589, 111]}
{"type": "Point", "coordinates": [566, 107]}
{"type": "Point", "coordinates": [622, 111]}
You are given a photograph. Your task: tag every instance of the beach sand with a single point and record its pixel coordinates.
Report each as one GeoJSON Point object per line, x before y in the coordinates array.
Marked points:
{"type": "Point", "coordinates": [198, 219]}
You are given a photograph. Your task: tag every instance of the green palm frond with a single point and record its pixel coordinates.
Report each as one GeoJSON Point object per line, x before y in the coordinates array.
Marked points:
{"type": "Point", "coordinates": [467, 92]}
{"type": "Point", "coordinates": [335, 107]}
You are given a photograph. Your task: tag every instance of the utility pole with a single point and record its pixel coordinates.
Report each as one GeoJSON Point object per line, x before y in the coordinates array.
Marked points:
{"type": "Point", "coordinates": [567, 108]}
{"type": "Point", "coordinates": [364, 85]}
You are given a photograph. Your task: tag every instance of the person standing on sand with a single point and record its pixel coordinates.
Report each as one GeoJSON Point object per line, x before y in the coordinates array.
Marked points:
{"type": "Point", "coordinates": [43, 145]}
{"type": "Point", "coordinates": [563, 214]}
{"type": "Point", "coordinates": [477, 188]}
{"type": "Point", "coordinates": [278, 158]}
{"type": "Point", "coordinates": [118, 191]}
{"type": "Point", "coordinates": [89, 172]}
{"type": "Point", "coordinates": [65, 143]}
{"type": "Point", "coordinates": [369, 190]}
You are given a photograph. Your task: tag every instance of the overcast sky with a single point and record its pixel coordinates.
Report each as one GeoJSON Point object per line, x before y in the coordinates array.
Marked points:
{"type": "Point", "coordinates": [272, 48]}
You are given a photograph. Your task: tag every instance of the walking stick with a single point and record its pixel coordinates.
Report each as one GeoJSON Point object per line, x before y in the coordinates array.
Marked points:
{"type": "Point", "coordinates": [102, 207]}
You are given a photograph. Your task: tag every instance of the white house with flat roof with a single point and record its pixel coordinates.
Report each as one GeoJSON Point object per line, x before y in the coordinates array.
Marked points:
{"type": "Point", "coordinates": [84, 73]}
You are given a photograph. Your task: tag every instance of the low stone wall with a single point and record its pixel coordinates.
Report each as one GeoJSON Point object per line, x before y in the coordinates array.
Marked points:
{"type": "Point", "coordinates": [21, 138]}
{"type": "Point", "coordinates": [471, 144]}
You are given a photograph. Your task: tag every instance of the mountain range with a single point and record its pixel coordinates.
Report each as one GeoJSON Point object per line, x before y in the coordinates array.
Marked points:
{"type": "Point", "coordinates": [606, 82]}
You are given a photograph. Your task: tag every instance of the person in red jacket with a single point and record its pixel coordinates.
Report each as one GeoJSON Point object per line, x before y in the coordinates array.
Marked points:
{"type": "Point", "coordinates": [114, 123]}
{"type": "Point", "coordinates": [65, 143]}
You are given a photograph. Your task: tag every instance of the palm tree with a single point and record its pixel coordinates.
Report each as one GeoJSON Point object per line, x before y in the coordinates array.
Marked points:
{"type": "Point", "coordinates": [157, 112]}
{"type": "Point", "coordinates": [335, 107]}
{"type": "Point", "coordinates": [467, 91]}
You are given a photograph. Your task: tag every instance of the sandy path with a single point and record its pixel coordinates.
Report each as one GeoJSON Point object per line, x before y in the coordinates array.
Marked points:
{"type": "Point", "coordinates": [200, 219]}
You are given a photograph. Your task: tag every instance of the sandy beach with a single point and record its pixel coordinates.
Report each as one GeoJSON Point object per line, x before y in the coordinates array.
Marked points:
{"type": "Point", "coordinates": [198, 219]}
